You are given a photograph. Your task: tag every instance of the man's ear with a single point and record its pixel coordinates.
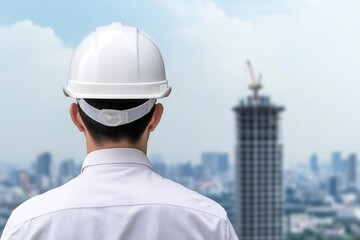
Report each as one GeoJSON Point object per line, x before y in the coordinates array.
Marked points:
{"type": "Point", "coordinates": [156, 117]}
{"type": "Point", "coordinates": [76, 118]}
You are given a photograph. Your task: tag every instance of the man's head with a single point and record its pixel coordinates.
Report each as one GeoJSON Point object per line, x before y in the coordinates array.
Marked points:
{"type": "Point", "coordinates": [131, 132]}
{"type": "Point", "coordinates": [134, 134]}
{"type": "Point", "coordinates": [116, 74]}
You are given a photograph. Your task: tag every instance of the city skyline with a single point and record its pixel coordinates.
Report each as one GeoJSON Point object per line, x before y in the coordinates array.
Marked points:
{"type": "Point", "coordinates": [317, 201]}
{"type": "Point", "coordinates": [322, 161]}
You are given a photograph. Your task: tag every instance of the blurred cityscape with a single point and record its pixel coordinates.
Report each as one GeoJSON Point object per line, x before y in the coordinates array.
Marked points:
{"type": "Point", "coordinates": [322, 199]}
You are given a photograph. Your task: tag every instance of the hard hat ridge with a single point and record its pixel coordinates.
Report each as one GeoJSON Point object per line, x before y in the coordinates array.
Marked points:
{"type": "Point", "coordinates": [117, 62]}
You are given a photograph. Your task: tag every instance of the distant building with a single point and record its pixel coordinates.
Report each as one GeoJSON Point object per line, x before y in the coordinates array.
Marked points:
{"type": "Point", "coordinates": [43, 164]}
{"type": "Point", "coordinates": [334, 187]}
{"type": "Point", "coordinates": [258, 185]}
{"type": "Point", "coordinates": [214, 162]}
{"type": "Point", "coordinates": [43, 172]}
{"type": "Point", "coordinates": [351, 170]}
{"type": "Point", "coordinates": [314, 165]}
{"type": "Point", "coordinates": [223, 163]}
{"type": "Point", "coordinates": [336, 163]}
{"type": "Point", "coordinates": [185, 175]}
{"type": "Point", "coordinates": [67, 171]}
{"type": "Point", "coordinates": [185, 170]}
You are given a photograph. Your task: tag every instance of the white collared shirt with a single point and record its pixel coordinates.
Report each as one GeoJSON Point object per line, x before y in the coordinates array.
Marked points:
{"type": "Point", "coordinates": [119, 196]}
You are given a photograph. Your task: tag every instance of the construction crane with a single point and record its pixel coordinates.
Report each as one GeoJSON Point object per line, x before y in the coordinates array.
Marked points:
{"type": "Point", "coordinates": [256, 83]}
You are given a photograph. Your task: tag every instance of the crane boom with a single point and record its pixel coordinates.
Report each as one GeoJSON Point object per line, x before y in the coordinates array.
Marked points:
{"type": "Point", "coordinates": [251, 71]}
{"type": "Point", "coordinates": [256, 83]}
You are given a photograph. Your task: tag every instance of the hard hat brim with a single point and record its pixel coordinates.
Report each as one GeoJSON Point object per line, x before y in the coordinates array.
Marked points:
{"type": "Point", "coordinates": [117, 91]}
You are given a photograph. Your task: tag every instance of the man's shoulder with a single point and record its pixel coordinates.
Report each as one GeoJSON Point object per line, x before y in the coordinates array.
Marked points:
{"type": "Point", "coordinates": [156, 191]}
{"type": "Point", "coordinates": [39, 205]}
{"type": "Point", "coordinates": [177, 195]}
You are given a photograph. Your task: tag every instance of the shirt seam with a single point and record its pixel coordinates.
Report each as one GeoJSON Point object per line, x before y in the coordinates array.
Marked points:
{"type": "Point", "coordinates": [101, 164]}
{"type": "Point", "coordinates": [118, 205]}
{"type": "Point", "coordinates": [226, 230]}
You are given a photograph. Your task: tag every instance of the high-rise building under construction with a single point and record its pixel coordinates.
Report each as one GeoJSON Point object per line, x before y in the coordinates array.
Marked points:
{"type": "Point", "coordinates": [258, 185]}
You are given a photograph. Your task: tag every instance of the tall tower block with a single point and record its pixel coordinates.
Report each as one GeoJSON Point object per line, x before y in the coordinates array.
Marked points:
{"type": "Point", "coordinates": [258, 185]}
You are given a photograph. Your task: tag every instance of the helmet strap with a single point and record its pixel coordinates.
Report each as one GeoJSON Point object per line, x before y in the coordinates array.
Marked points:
{"type": "Point", "coordinates": [114, 118]}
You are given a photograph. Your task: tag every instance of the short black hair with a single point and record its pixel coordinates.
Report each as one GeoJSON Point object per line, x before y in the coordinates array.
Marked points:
{"type": "Point", "coordinates": [130, 132]}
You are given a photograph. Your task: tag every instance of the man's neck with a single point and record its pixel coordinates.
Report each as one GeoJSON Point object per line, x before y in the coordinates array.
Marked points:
{"type": "Point", "coordinates": [92, 146]}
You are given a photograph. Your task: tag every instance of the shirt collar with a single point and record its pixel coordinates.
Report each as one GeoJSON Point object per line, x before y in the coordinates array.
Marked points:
{"type": "Point", "coordinates": [116, 156]}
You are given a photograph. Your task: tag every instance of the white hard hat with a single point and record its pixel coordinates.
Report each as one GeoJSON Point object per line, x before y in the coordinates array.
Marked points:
{"type": "Point", "coordinates": [117, 62]}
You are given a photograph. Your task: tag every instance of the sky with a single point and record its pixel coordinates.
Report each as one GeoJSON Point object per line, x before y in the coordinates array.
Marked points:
{"type": "Point", "coordinates": [307, 50]}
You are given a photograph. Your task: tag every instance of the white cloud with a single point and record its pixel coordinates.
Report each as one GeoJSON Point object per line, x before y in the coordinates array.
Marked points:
{"type": "Point", "coordinates": [34, 116]}
{"type": "Point", "coordinates": [309, 60]}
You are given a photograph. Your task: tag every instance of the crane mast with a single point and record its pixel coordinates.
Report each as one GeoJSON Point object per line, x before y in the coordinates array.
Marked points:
{"type": "Point", "coordinates": [255, 86]}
